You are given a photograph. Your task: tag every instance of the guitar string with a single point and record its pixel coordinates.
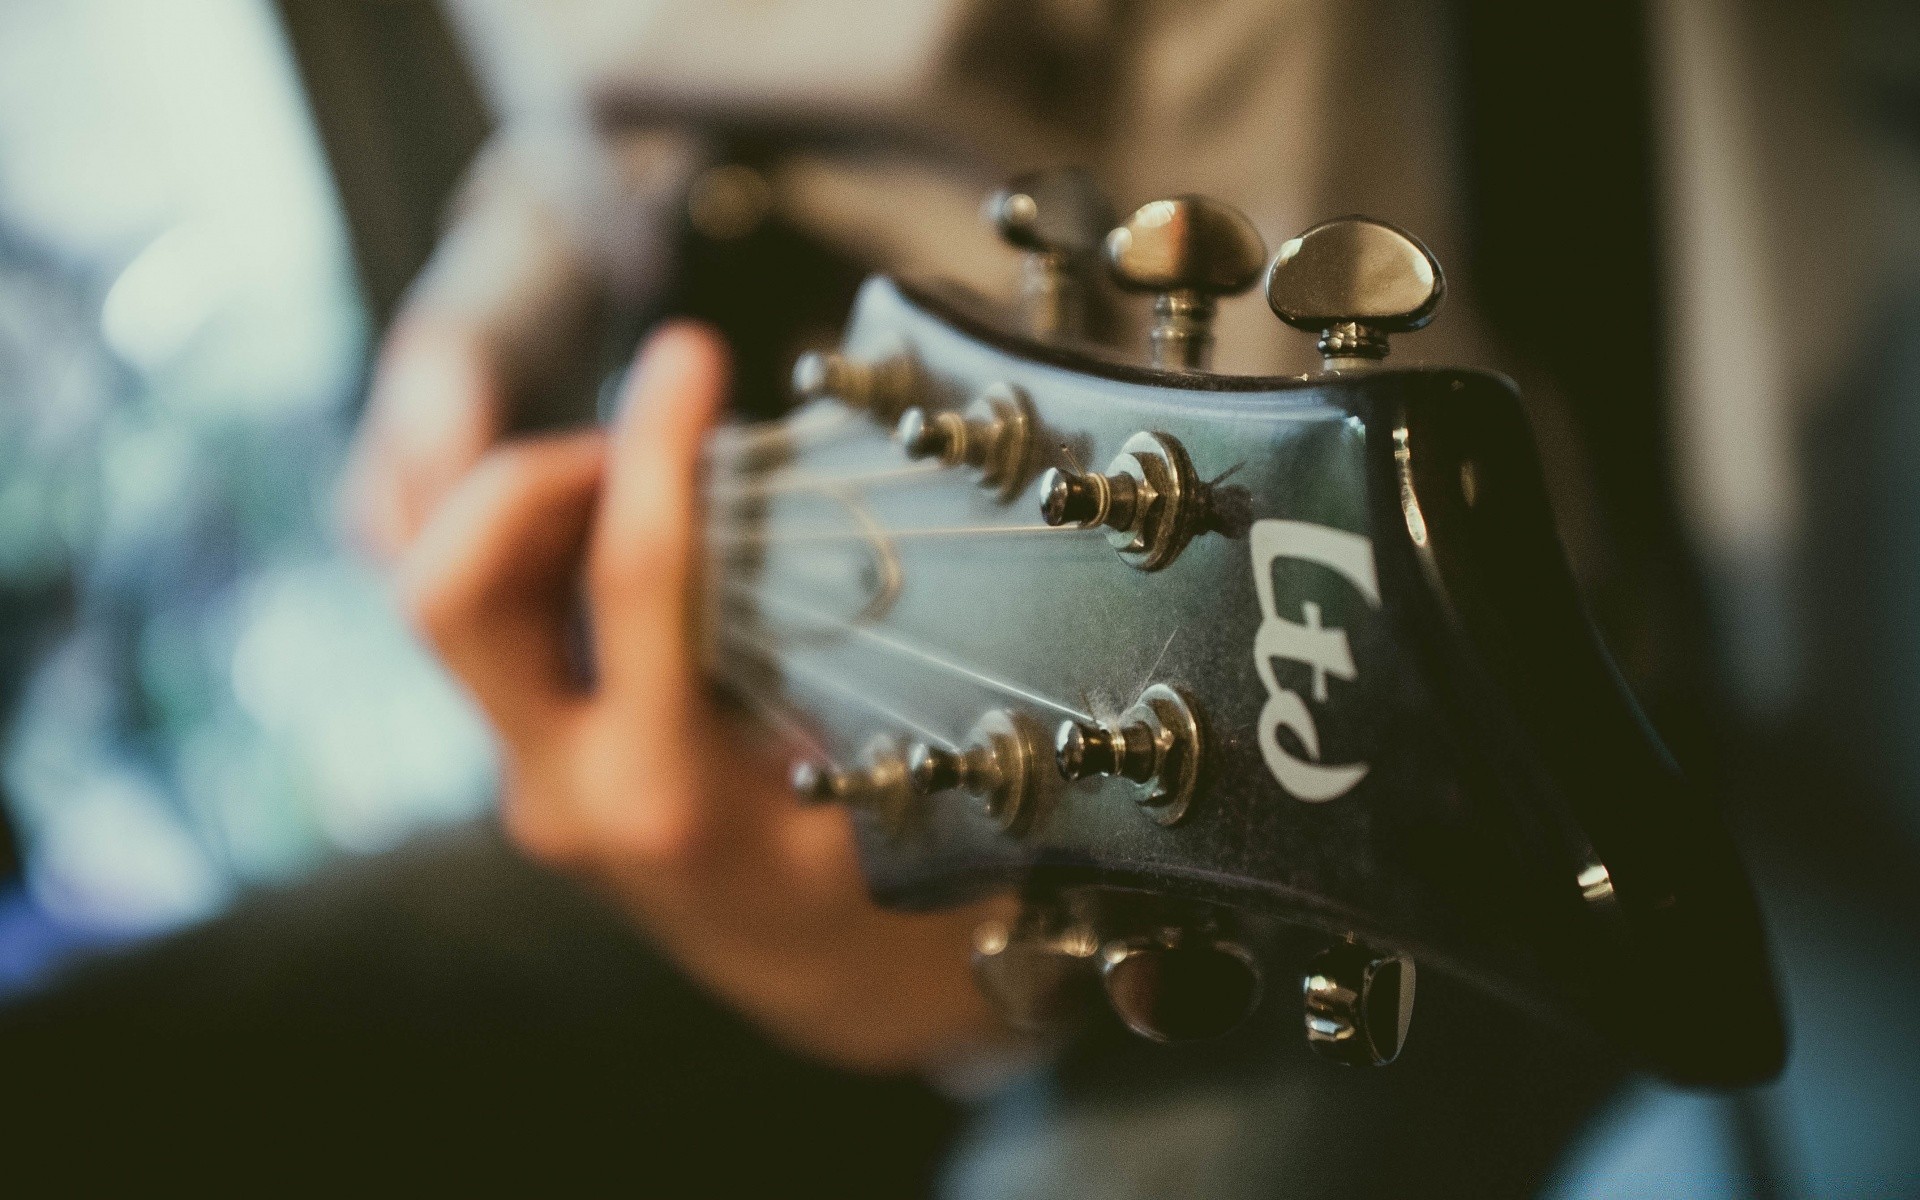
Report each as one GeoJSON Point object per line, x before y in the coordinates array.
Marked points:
{"type": "Point", "coordinates": [805, 426]}
{"type": "Point", "coordinates": [776, 536]}
{"type": "Point", "coordinates": [929, 657]}
{"type": "Point", "coordinates": [788, 480]}
{"type": "Point", "coordinates": [772, 482]}
{"type": "Point", "coordinates": [809, 673]}
{"type": "Point", "coordinates": [1157, 660]}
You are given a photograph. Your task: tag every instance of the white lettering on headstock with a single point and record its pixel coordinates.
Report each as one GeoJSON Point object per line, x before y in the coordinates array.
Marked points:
{"type": "Point", "coordinates": [1325, 650]}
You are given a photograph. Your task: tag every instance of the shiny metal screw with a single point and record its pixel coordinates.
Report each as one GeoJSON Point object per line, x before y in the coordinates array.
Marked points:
{"type": "Point", "coordinates": [1068, 497]}
{"type": "Point", "coordinates": [947, 436]}
{"type": "Point", "coordinates": [921, 435]}
{"type": "Point", "coordinates": [931, 769]}
{"type": "Point", "coordinates": [1056, 219]}
{"type": "Point", "coordinates": [815, 784]}
{"type": "Point", "coordinates": [1358, 1004]}
{"type": "Point", "coordinates": [881, 388]}
{"type": "Point", "coordinates": [994, 435]}
{"type": "Point", "coordinates": [821, 374]}
{"type": "Point", "coordinates": [1085, 750]}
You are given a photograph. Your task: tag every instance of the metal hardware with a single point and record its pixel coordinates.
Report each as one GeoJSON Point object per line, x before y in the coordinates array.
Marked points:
{"type": "Point", "coordinates": [996, 609]}
{"type": "Point", "coordinates": [1189, 251]}
{"type": "Point", "coordinates": [1353, 281]}
{"type": "Point", "coordinates": [1040, 970]}
{"type": "Point", "coordinates": [882, 388]}
{"type": "Point", "coordinates": [816, 783]}
{"type": "Point", "coordinates": [1149, 500]}
{"type": "Point", "coordinates": [995, 435]}
{"type": "Point", "coordinates": [1359, 1003]}
{"type": "Point", "coordinates": [1157, 744]}
{"type": "Point", "coordinates": [1172, 970]}
{"type": "Point", "coordinates": [999, 763]}
{"type": "Point", "coordinates": [1180, 984]}
{"type": "Point", "coordinates": [878, 784]}
{"type": "Point", "coordinates": [1056, 219]}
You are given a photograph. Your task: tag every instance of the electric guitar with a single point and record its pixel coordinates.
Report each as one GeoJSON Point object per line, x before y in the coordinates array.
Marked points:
{"type": "Point", "coordinates": [1238, 680]}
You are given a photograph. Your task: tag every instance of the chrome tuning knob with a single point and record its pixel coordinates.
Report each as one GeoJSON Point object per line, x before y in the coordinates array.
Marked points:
{"type": "Point", "coordinates": [998, 763]}
{"type": "Point", "coordinates": [1353, 281]}
{"type": "Point", "coordinates": [878, 784]}
{"type": "Point", "coordinates": [1172, 971]}
{"type": "Point", "coordinates": [1359, 1003]}
{"type": "Point", "coordinates": [994, 436]}
{"type": "Point", "coordinates": [881, 388]}
{"type": "Point", "coordinates": [1149, 500]}
{"type": "Point", "coordinates": [1056, 220]}
{"type": "Point", "coordinates": [1040, 970]}
{"type": "Point", "coordinates": [1189, 251]}
{"type": "Point", "coordinates": [1157, 744]}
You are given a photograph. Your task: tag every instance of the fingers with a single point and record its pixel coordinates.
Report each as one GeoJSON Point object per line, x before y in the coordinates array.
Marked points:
{"type": "Point", "coordinates": [493, 580]}
{"type": "Point", "coordinates": [434, 409]}
{"type": "Point", "coordinates": [644, 539]}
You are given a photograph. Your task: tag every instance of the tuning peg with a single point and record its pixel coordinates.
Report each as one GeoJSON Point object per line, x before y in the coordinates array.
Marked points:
{"type": "Point", "coordinates": [1149, 500]}
{"type": "Point", "coordinates": [1358, 1004]}
{"type": "Point", "coordinates": [1086, 750]}
{"type": "Point", "coordinates": [816, 783]}
{"type": "Point", "coordinates": [994, 435]}
{"type": "Point", "coordinates": [878, 784]}
{"type": "Point", "coordinates": [997, 763]}
{"type": "Point", "coordinates": [1156, 744]}
{"type": "Point", "coordinates": [1039, 970]}
{"type": "Point", "coordinates": [1189, 251]}
{"type": "Point", "coordinates": [881, 388]}
{"type": "Point", "coordinates": [1353, 281]}
{"type": "Point", "coordinates": [1055, 219]}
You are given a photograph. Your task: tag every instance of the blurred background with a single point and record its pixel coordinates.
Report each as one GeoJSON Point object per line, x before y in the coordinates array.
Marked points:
{"type": "Point", "coordinates": [203, 693]}
{"type": "Point", "coordinates": [210, 209]}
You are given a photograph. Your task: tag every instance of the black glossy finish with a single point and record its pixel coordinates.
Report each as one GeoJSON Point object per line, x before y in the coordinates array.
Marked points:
{"type": "Point", "coordinates": [1516, 823]}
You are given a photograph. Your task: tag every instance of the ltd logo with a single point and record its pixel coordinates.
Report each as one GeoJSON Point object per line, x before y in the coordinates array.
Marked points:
{"type": "Point", "coordinates": [1325, 651]}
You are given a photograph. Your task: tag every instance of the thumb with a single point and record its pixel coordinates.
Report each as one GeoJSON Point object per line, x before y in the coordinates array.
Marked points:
{"type": "Point", "coordinates": [644, 542]}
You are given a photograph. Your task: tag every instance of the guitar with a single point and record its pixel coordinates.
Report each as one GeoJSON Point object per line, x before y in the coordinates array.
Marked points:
{"type": "Point", "coordinates": [1235, 679]}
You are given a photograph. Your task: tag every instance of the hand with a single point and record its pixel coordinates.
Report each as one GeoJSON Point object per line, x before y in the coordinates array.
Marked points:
{"type": "Point", "coordinates": [437, 405]}
{"type": "Point", "coordinates": [642, 783]}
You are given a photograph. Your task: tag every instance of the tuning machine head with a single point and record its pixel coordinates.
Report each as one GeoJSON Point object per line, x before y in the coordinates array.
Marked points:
{"type": "Point", "coordinates": [1352, 281]}
{"type": "Point", "coordinates": [1359, 1003]}
{"type": "Point", "coordinates": [878, 784]}
{"type": "Point", "coordinates": [1157, 744]}
{"type": "Point", "coordinates": [1188, 251]}
{"type": "Point", "coordinates": [994, 436]}
{"type": "Point", "coordinates": [999, 762]}
{"type": "Point", "coordinates": [882, 387]}
{"type": "Point", "coordinates": [1149, 500]}
{"type": "Point", "coordinates": [1055, 219]}
{"type": "Point", "coordinates": [1172, 971]}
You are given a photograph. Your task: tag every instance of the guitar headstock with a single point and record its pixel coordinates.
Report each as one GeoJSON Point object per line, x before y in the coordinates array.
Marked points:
{"type": "Point", "coordinates": [1228, 675]}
